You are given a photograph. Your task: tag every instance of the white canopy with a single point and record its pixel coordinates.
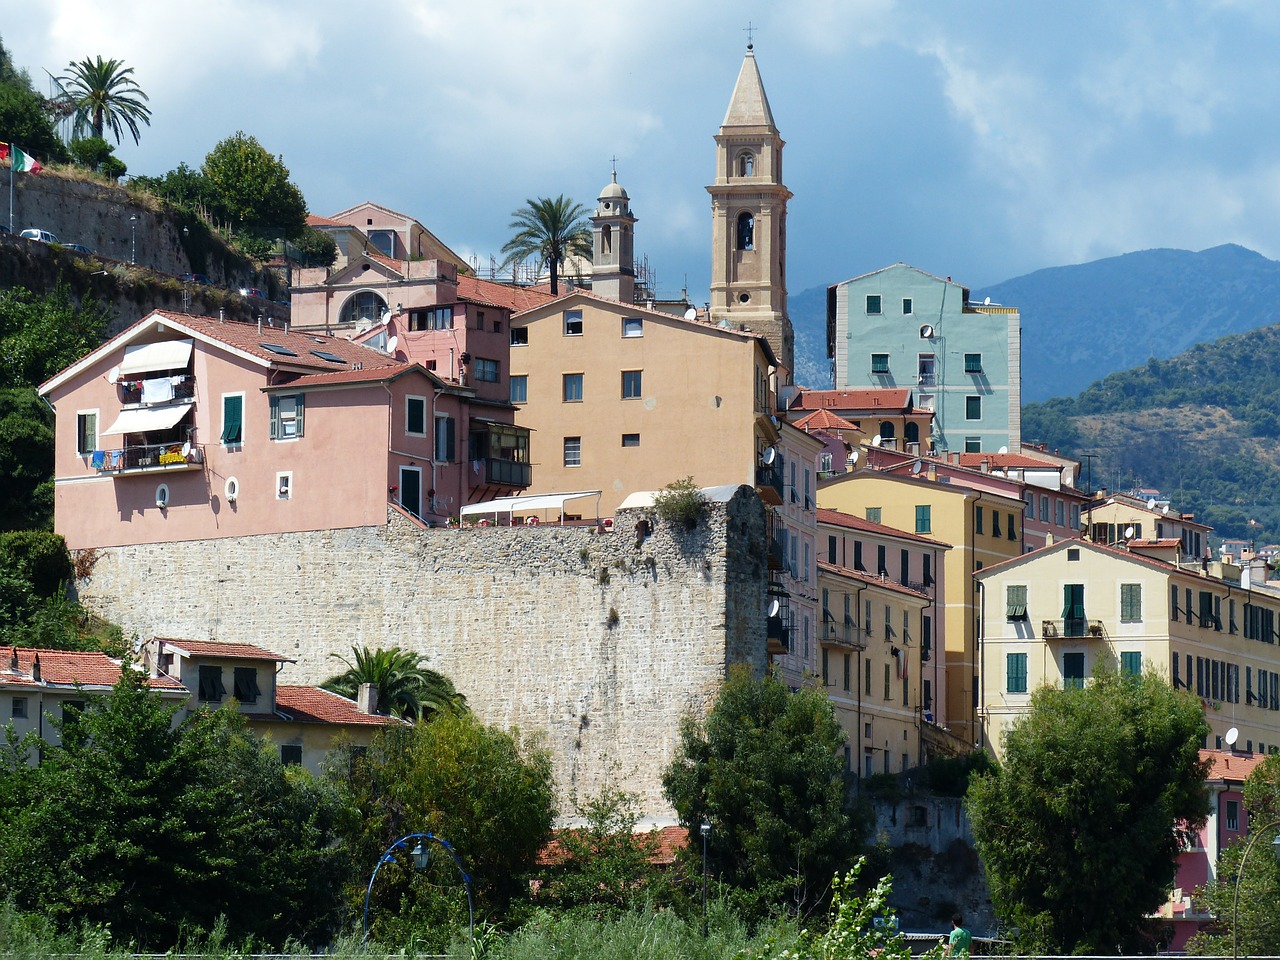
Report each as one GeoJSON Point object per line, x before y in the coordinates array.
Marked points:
{"type": "Point", "coordinates": [147, 418]}
{"type": "Point", "coordinates": [545, 501]}
{"type": "Point", "coordinates": [163, 355]}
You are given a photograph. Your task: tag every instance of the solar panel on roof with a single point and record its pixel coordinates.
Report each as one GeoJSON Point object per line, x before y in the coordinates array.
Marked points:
{"type": "Point", "coordinates": [326, 355]}
{"type": "Point", "coordinates": [277, 349]}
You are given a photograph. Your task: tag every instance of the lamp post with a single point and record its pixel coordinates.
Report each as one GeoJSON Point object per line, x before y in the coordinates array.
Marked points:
{"type": "Point", "coordinates": [1235, 906]}
{"type": "Point", "coordinates": [421, 856]}
{"type": "Point", "coordinates": [133, 238]}
{"type": "Point", "coordinates": [706, 832]}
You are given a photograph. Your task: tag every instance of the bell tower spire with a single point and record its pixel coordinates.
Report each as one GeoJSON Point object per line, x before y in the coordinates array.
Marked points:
{"type": "Point", "coordinates": [749, 218]}
{"type": "Point", "coordinates": [613, 272]}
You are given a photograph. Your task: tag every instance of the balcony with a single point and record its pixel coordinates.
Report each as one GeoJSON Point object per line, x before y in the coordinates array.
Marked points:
{"type": "Point", "coordinates": [832, 633]}
{"type": "Point", "coordinates": [1071, 628]}
{"type": "Point", "coordinates": [508, 473]}
{"type": "Point", "coordinates": [149, 458]}
{"type": "Point", "coordinates": [769, 483]}
{"type": "Point", "coordinates": [778, 636]}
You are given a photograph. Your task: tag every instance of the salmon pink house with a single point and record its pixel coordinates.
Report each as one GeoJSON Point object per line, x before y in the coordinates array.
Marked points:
{"type": "Point", "coordinates": [191, 428]}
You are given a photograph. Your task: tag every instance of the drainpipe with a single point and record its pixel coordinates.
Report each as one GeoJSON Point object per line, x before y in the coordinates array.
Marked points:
{"type": "Point", "coordinates": [857, 620]}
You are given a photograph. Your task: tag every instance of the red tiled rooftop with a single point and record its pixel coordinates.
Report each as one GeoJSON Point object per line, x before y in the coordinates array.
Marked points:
{"type": "Point", "coordinates": [867, 526]}
{"type": "Point", "coordinates": [502, 295]}
{"type": "Point", "coordinates": [314, 705]}
{"type": "Point", "coordinates": [1002, 461]}
{"type": "Point", "coordinates": [872, 580]}
{"type": "Point", "coordinates": [93, 669]}
{"type": "Point", "coordinates": [669, 842]}
{"type": "Point", "coordinates": [314, 220]}
{"type": "Point", "coordinates": [222, 649]}
{"type": "Point", "coordinates": [889, 399]}
{"type": "Point", "coordinates": [248, 338]}
{"type": "Point", "coordinates": [397, 265]}
{"type": "Point", "coordinates": [1226, 765]}
{"type": "Point", "coordinates": [370, 375]}
{"type": "Point", "coordinates": [824, 420]}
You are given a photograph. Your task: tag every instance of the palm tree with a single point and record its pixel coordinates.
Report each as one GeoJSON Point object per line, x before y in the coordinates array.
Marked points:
{"type": "Point", "coordinates": [105, 96]}
{"type": "Point", "coordinates": [406, 688]}
{"type": "Point", "coordinates": [551, 230]}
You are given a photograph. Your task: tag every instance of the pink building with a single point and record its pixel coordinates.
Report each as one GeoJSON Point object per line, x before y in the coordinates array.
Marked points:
{"type": "Point", "coordinates": [371, 227]}
{"type": "Point", "coordinates": [189, 428]}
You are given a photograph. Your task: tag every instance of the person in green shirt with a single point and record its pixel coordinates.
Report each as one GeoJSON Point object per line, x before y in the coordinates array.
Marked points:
{"type": "Point", "coordinates": [960, 940]}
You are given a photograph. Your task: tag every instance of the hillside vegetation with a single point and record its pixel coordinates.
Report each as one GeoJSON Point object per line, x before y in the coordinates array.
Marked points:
{"type": "Point", "coordinates": [1201, 427]}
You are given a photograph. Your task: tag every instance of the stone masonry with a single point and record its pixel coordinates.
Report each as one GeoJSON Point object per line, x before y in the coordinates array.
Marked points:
{"type": "Point", "coordinates": [599, 642]}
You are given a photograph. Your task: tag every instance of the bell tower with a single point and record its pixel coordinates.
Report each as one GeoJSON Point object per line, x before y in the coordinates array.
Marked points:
{"type": "Point", "coordinates": [749, 219]}
{"type": "Point", "coordinates": [613, 272]}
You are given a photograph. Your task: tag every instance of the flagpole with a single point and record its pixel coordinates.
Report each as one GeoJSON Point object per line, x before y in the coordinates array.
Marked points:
{"type": "Point", "coordinates": [11, 191]}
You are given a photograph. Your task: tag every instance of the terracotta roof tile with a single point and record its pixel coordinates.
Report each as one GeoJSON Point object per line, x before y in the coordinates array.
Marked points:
{"type": "Point", "coordinates": [314, 705]}
{"type": "Point", "coordinates": [1003, 461]}
{"type": "Point", "coordinates": [69, 668]}
{"type": "Point", "coordinates": [370, 375]}
{"type": "Point", "coordinates": [871, 580]}
{"type": "Point", "coordinates": [314, 220]}
{"type": "Point", "coordinates": [851, 522]}
{"type": "Point", "coordinates": [502, 295]}
{"type": "Point", "coordinates": [1231, 766]}
{"type": "Point", "coordinates": [399, 266]}
{"type": "Point", "coordinates": [225, 650]}
{"type": "Point", "coordinates": [670, 840]}
{"type": "Point", "coordinates": [863, 400]}
{"type": "Point", "coordinates": [824, 420]}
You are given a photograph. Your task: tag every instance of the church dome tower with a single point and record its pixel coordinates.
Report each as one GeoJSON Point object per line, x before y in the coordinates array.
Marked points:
{"type": "Point", "coordinates": [613, 271]}
{"type": "Point", "coordinates": [749, 219]}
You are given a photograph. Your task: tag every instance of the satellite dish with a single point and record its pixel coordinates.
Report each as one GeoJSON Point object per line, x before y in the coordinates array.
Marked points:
{"type": "Point", "coordinates": [917, 467]}
{"type": "Point", "coordinates": [1128, 532]}
{"type": "Point", "coordinates": [114, 375]}
{"type": "Point", "coordinates": [853, 458]}
{"type": "Point", "coordinates": [768, 456]}
{"type": "Point", "coordinates": [186, 450]}
{"type": "Point", "coordinates": [986, 302]}
{"type": "Point", "coordinates": [926, 332]}
{"type": "Point", "coordinates": [1232, 736]}
{"type": "Point", "coordinates": [1165, 511]}
{"type": "Point", "coordinates": [1151, 504]}
{"type": "Point", "coordinates": [1003, 450]}
{"type": "Point", "coordinates": [386, 314]}
{"type": "Point", "coordinates": [877, 440]}
{"type": "Point", "coordinates": [774, 607]}
{"type": "Point", "coordinates": [392, 343]}
{"type": "Point", "coordinates": [691, 314]}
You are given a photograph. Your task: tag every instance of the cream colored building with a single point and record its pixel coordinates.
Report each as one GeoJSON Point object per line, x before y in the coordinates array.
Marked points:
{"type": "Point", "coordinates": [983, 526]}
{"type": "Point", "coordinates": [1151, 522]}
{"type": "Point", "coordinates": [1056, 615]}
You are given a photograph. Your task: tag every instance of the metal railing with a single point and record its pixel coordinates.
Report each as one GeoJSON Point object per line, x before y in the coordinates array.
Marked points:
{"type": "Point", "coordinates": [150, 456]}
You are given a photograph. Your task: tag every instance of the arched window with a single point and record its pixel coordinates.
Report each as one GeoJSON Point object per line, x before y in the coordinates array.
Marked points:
{"type": "Point", "coordinates": [365, 305]}
{"type": "Point", "coordinates": [746, 231]}
{"type": "Point", "coordinates": [886, 430]}
{"type": "Point", "coordinates": [913, 432]}
{"type": "Point", "coordinates": [606, 238]}
{"type": "Point", "coordinates": [746, 165]}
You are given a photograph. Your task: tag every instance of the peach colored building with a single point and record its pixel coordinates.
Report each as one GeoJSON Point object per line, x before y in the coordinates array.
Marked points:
{"type": "Point", "coordinates": [187, 428]}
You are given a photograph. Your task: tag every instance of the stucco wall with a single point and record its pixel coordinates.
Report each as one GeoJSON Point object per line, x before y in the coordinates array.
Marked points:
{"type": "Point", "coordinates": [519, 618]}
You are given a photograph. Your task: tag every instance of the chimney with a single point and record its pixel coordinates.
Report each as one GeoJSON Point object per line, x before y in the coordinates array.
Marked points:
{"type": "Point", "coordinates": [35, 669]}
{"type": "Point", "coordinates": [13, 661]}
{"type": "Point", "coordinates": [367, 698]}
{"type": "Point", "coordinates": [985, 466]}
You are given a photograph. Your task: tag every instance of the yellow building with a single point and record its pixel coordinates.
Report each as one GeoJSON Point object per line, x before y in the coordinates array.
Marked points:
{"type": "Point", "coordinates": [1151, 522]}
{"type": "Point", "coordinates": [984, 528]}
{"type": "Point", "coordinates": [622, 399]}
{"type": "Point", "coordinates": [1054, 616]}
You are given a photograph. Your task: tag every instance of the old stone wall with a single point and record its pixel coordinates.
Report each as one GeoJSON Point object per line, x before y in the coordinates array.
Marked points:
{"type": "Point", "coordinates": [600, 642]}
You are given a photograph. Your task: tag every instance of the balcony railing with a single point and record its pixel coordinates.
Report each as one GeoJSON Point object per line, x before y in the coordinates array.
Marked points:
{"type": "Point", "coordinates": [840, 634]}
{"type": "Point", "coordinates": [769, 478]}
{"type": "Point", "coordinates": [1071, 627]}
{"type": "Point", "coordinates": [509, 473]}
{"type": "Point", "coordinates": [151, 457]}
{"type": "Point", "coordinates": [183, 388]}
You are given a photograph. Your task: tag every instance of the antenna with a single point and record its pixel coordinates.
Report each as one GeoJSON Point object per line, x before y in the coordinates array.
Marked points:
{"type": "Point", "coordinates": [986, 302]}
{"type": "Point", "coordinates": [1232, 736]}
{"type": "Point", "coordinates": [768, 455]}
{"type": "Point", "coordinates": [916, 468]}
{"type": "Point", "coordinates": [691, 313]}
{"type": "Point", "coordinates": [926, 332]}
{"type": "Point", "coordinates": [392, 344]}
{"type": "Point", "coordinates": [114, 374]}
{"type": "Point", "coordinates": [1128, 532]}
{"type": "Point", "coordinates": [853, 458]}
{"type": "Point", "coordinates": [877, 440]}
{"type": "Point", "coordinates": [1003, 450]}
{"type": "Point", "coordinates": [1151, 504]}
{"type": "Point", "coordinates": [774, 607]}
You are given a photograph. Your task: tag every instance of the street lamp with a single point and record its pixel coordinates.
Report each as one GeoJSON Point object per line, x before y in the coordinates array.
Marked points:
{"type": "Point", "coordinates": [421, 856]}
{"type": "Point", "coordinates": [1235, 906]}
{"type": "Point", "coordinates": [133, 238]}
{"type": "Point", "coordinates": [706, 832]}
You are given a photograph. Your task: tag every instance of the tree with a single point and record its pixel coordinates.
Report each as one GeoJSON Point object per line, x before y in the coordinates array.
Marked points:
{"type": "Point", "coordinates": [105, 97]}
{"type": "Point", "coordinates": [1081, 825]}
{"type": "Point", "coordinates": [40, 334]}
{"type": "Point", "coordinates": [764, 770]}
{"type": "Point", "coordinates": [317, 247]}
{"type": "Point", "coordinates": [26, 123]}
{"type": "Point", "coordinates": [250, 190]}
{"type": "Point", "coordinates": [486, 792]}
{"type": "Point", "coordinates": [406, 687]}
{"type": "Point", "coordinates": [550, 230]}
{"type": "Point", "coordinates": [26, 461]}
{"type": "Point", "coordinates": [94, 153]}
{"type": "Point", "coordinates": [1259, 923]}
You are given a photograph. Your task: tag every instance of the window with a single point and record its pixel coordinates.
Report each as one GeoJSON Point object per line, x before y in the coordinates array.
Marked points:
{"type": "Point", "coordinates": [928, 570]}
{"type": "Point", "coordinates": [291, 754]}
{"type": "Point", "coordinates": [19, 707]}
{"type": "Point", "coordinates": [573, 388]}
{"type": "Point", "coordinates": [747, 165]}
{"type": "Point", "coordinates": [857, 556]}
{"type": "Point", "coordinates": [1015, 673]}
{"type": "Point", "coordinates": [973, 408]}
{"type": "Point", "coordinates": [520, 388]}
{"type": "Point", "coordinates": [415, 416]}
{"type": "Point", "coordinates": [631, 384]}
{"type": "Point", "coordinates": [1130, 663]}
{"type": "Point", "coordinates": [826, 680]}
{"type": "Point", "coordinates": [972, 444]}
{"type": "Point", "coordinates": [873, 514]}
{"type": "Point", "coordinates": [873, 303]}
{"type": "Point", "coordinates": [1030, 510]}
{"type": "Point", "coordinates": [746, 231]}
{"type": "Point", "coordinates": [573, 323]}
{"type": "Point", "coordinates": [977, 519]}
{"type": "Point", "coordinates": [86, 432]}
{"type": "Point", "coordinates": [284, 485]}
{"type": "Point", "coordinates": [573, 451]}
{"type": "Point", "coordinates": [1232, 816]}
{"type": "Point", "coordinates": [1015, 602]}
{"type": "Point", "coordinates": [211, 689]}
{"type": "Point", "coordinates": [245, 685]}
{"type": "Point", "coordinates": [286, 417]}
{"type": "Point", "coordinates": [880, 363]}
{"type": "Point", "coordinates": [973, 363]}
{"type": "Point", "coordinates": [1012, 529]}
{"type": "Point", "coordinates": [519, 336]}
{"type": "Point", "coordinates": [866, 680]}
{"type": "Point", "coordinates": [632, 327]}
{"type": "Point", "coordinates": [232, 418]}
{"type": "Point", "coordinates": [882, 564]}
{"type": "Point", "coordinates": [907, 307]}
{"type": "Point", "coordinates": [1073, 671]}
{"type": "Point", "coordinates": [1130, 602]}
{"type": "Point", "coordinates": [1044, 509]}
{"type": "Point", "coordinates": [1073, 609]}
{"type": "Point", "coordinates": [631, 439]}
{"type": "Point", "coordinates": [923, 519]}
{"type": "Point", "coordinates": [848, 673]}
{"type": "Point", "coordinates": [431, 318]}
{"type": "Point", "coordinates": [995, 524]}
{"type": "Point", "coordinates": [888, 693]}
{"type": "Point", "coordinates": [904, 569]}
{"type": "Point", "coordinates": [446, 440]}
{"type": "Point", "coordinates": [1059, 513]}
{"type": "Point", "coordinates": [1075, 516]}
{"type": "Point", "coordinates": [486, 370]}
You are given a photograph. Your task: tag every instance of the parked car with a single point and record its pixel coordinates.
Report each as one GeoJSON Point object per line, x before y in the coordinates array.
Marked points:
{"type": "Point", "coordinates": [35, 233]}
{"type": "Point", "coordinates": [195, 278]}
{"type": "Point", "coordinates": [77, 247]}
{"type": "Point", "coordinates": [252, 292]}
{"type": "Point", "coordinates": [4, 229]}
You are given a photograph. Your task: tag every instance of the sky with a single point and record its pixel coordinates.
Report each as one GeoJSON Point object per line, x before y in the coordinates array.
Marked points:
{"type": "Point", "coordinates": [977, 139]}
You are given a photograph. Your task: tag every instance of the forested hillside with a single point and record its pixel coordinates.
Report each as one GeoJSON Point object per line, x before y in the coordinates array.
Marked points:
{"type": "Point", "coordinates": [1202, 427]}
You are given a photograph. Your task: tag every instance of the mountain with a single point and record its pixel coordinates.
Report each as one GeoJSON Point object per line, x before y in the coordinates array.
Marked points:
{"type": "Point", "coordinates": [1082, 322]}
{"type": "Point", "coordinates": [1201, 427]}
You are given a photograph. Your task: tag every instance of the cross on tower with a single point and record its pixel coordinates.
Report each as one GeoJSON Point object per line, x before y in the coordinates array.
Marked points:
{"type": "Point", "coordinates": [614, 161]}
{"type": "Point", "coordinates": [749, 30]}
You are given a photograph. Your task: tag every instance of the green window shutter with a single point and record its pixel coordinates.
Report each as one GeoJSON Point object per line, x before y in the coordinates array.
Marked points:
{"type": "Point", "coordinates": [275, 418]}
{"type": "Point", "coordinates": [1016, 672]}
{"type": "Point", "coordinates": [232, 419]}
{"type": "Point", "coordinates": [1016, 602]}
{"type": "Point", "coordinates": [300, 405]}
{"type": "Point", "coordinates": [1130, 602]}
{"type": "Point", "coordinates": [924, 519]}
{"type": "Point", "coordinates": [1131, 664]}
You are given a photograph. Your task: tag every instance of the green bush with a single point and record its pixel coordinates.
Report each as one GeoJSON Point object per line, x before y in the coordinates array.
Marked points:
{"type": "Point", "coordinates": [681, 503]}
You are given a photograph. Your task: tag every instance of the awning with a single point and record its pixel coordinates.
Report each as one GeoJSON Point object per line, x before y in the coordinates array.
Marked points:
{"type": "Point", "coordinates": [147, 418]}
{"type": "Point", "coordinates": [510, 505]}
{"type": "Point", "coordinates": [164, 355]}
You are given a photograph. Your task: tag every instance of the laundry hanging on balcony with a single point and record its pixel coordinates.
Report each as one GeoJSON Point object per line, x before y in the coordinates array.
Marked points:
{"type": "Point", "coordinates": [147, 418]}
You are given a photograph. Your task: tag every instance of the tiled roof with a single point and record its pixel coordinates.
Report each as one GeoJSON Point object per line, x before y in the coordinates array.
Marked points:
{"type": "Point", "coordinates": [247, 337]}
{"type": "Point", "coordinates": [895, 399]}
{"type": "Point", "coordinates": [1002, 461]}
{"type": "Point", "coordinates": [371, 375]}
{"type": "Point", "coordinates": [225, 650]}
{"type": "Point", "coordinates": [65, 667]}
{"type": "Point", "coordinates": [314, 705]}
{"type": "Point", "coordinates": [669, 841]}
{"type": "Point", "coordinates": [503, 295]}
{"type": "Point", "coordinates": [1230, 765]}
{"type": "Point", "coordinates": [872, 580]}
{"type": "Point", "coordinates": [314, 220]}
{"type": "Point", "coordinates": [397, 265]}
{"type": "Point", "coordinates": [851, 522]}
{"type": "Point", "coordinates": [824, 420]}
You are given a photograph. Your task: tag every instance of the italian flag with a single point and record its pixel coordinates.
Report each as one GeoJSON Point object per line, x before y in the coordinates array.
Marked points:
{"type": "Point", "coordinates": [19, 161]}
